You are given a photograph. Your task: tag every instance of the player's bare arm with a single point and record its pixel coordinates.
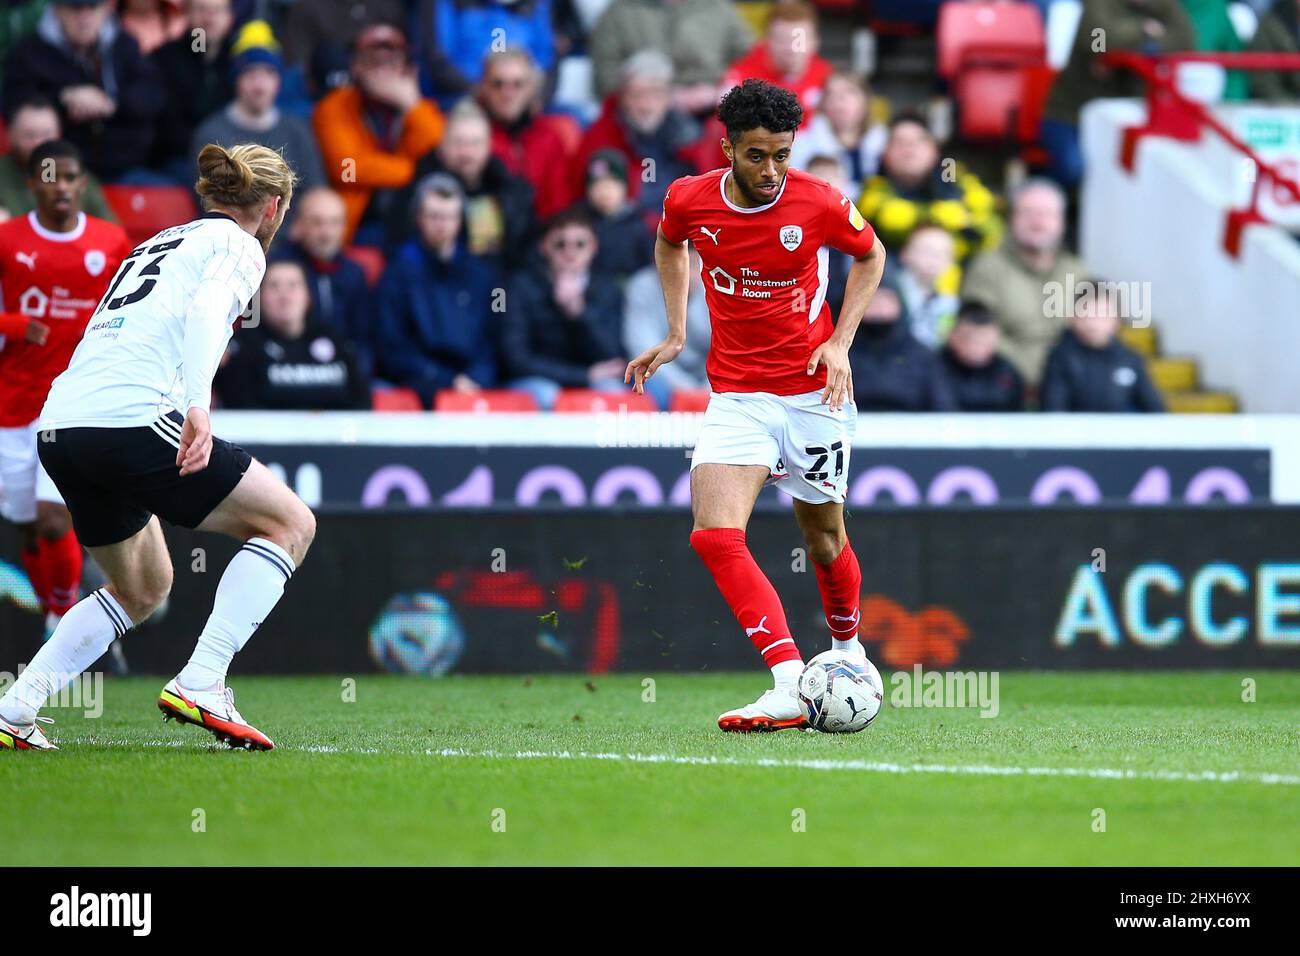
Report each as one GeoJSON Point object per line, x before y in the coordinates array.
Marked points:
{"type": "Point", "coordinates": [196, 442]}
{"type": "Point", "coordinates": [863, 280]}
{"type": "Point", "coordinates": [673, 261]}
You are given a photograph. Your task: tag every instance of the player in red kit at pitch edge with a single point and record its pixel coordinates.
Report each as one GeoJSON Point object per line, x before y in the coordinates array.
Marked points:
{"type": "Point", "coordinates": [781, 405]}
{"type": "Point", "coordinates": [55, 263]}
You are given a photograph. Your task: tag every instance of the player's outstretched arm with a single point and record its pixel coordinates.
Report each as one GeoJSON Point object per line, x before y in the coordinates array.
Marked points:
{"type": "Point", "coordinates": [673, 262]}
{"type": "Point", "coordinates": [863, 280]}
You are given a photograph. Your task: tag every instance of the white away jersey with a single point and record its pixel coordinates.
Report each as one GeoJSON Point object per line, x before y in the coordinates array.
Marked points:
{"type": "Point", "coordinates": [130, 367]}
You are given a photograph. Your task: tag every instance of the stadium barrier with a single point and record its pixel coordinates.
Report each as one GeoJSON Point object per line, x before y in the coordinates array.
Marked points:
{"type": "Point", "coordinates": [1170, 213]}
{"type": "Point", "coordinates": [595, 591]}
{"type": "Point", "coordinates": [431, 461]}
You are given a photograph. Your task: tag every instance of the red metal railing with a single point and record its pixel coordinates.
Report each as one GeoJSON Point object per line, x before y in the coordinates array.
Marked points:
{"type": "Point", "coordinates": [1175, 116]}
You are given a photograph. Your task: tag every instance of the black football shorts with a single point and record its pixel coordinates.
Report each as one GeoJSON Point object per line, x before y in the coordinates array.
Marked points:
{"type": "Point", "coordinates": [114, 479]}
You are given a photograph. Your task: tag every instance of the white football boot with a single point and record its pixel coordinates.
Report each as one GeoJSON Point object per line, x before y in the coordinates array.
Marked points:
{"type": "Point", "coordinates": [776, 709]}
{"type": "Point", "coordinates": [213, 710]}
{"type": "Point", "coordinates": [25, 736]}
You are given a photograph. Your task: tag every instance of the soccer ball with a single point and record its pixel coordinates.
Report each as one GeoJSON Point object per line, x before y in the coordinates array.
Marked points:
{"type": "Point", "coordinates": [840, 693]}
{"type": "Point", "coordinates": [417, 634]}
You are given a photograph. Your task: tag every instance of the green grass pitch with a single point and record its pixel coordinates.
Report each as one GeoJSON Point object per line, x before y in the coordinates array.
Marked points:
{"type": "Point", "coordinates": [571, 770]}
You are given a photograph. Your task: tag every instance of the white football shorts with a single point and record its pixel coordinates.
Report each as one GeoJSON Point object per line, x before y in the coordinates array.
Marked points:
{"type": "Point", "coordinates": [802, 443]}
{"type": "Point", "coordinates": [23, 481]}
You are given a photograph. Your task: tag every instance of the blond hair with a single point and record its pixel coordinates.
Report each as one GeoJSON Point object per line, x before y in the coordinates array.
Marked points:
{"type": "Point", "coordinates": [242, 177]}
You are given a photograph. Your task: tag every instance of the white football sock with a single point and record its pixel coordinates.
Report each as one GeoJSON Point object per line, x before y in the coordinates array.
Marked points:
{"type": "Point", "coordinates": [249, 589]}
{"type": "Point", "coordinates": [786, 674]}
{"type": "Point", "coordinates": [838, 645]}
{"type": "Point", "coordinates": [81, 638]}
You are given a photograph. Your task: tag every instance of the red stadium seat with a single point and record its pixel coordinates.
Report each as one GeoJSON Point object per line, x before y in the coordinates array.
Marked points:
{"type": "Point", "coordinates": [983, 51]}
{"type": "Point", "coordinates": [395, 400]}
{"type": "Point", "coordinates": [370, 259]}
{"type": "Point", "coordinates": [145, 210]}
{"type": "Point", "coordinates": [689, 400]}
{"type": "Point", "coordinates": [591, 400]}
{"type": "Point", "coordinates": [488, 400]}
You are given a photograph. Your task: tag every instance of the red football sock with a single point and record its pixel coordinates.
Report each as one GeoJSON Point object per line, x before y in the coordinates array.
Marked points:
{"type": "Point", "coordinates": [841, 586]}
{"type": "Point", "coordinates": [36, 566]}
{"type": "Point", "coordinates": [63, 567]}
{"type": "Point", "coordinates": [748, 591]}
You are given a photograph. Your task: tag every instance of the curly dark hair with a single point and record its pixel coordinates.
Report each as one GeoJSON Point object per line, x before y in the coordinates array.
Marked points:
{"type": "Point", "coordinates": [757, 103]}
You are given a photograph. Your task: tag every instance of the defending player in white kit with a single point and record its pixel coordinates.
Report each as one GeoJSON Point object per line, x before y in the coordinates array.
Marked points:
{"type": "Point", "coordinates": [126, 438]}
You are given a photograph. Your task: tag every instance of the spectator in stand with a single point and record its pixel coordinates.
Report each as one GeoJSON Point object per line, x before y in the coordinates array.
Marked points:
{"type": "Point", "coordinates": [17, 23]}
{"type": "Point", "coordinates": [701, 38]}
{"type": "Point", "coordinates": [151, 22]}
{"type": "Point", "coordinates": [33, 122]}
{"type": "Point", "coordinates": [1090, 369]}
{"type": "Point", "coordinates": [1279, 32]}
{"type": "Point", "coordinates": [1215, 33]}
{"type": "Point", "coordinates": [830, 168]}
{"type": "Point", "coordinates": [892, 371]}
{"type": "Point", "coordinates": [842, 127]}
{"type": "Point", "coordinates": [645, 317]}
{"type": "Point", "coordinates": [927, 280]}
{"type": "Point", "coordinates": [319, 35]}
{"type": "Point", "coordinates": [196, 82]}
{"type": "Point", "coordinates": [624, 240]}
{"type": "Point", "coordinates": [289, 360]}
{"type": "Point", "coordinates": [340, 297]}
{"type": "Point", "coordinates": [914, 186]}
{"type": "Point", "coordinates": [1014, 279]}
{"type": "Point", "coordinates": [467, 31]}
{"type": "Point", "coordinates": [535, 145]}
{"type": "Point", "coordinates": [979, 378]}
{"type": "Point", "coordinates": [640, 122]}
{"type": "Point", "coordinates": [252, 117]}
{"type": "Point", "coordinates": [437, 302]}
{"type": "Point", "coordinates": [787, 56]}
{"type": "Point", "coordinates": [1149, 26]}
{"type": "Point", "coordinates": [373, 131]}
{"type": "Point", "coordinates": [109, 94]}
{"type": "Point", "coordinates": [562, 327]}
{"type": "Point", "coordinates": [499, 219]}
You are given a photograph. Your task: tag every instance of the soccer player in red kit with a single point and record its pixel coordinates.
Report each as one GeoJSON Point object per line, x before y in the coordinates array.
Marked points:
{"type": "Point", "coordinates": [55, 263]}
{"type": "Point", "coordinates": [781, 404]}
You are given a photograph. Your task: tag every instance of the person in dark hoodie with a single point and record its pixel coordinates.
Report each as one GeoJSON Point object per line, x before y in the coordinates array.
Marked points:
{"type": "Point", "coordinates": [340, 296]}
{"type": "Point", "coordinates": [437, 302]}
{"type": "Point", "coordinates": [625, 242]}
{"type": "Point", "coordinates": [892, 370]}
{"type": "Point", "coordinates": [198, 82]}
{"type": "Point", "coordinates": [563, 326]}
{"type": "Point", "coordinates": [981, 380]}
{"type": "Point", "coordinates": [498, 206]}
{"type": "Point", "coordinates": [1090, 369]}
{"type": "Point", "coordinates": [109, 95]}
{"type": "Point", "coordinates": [289, 360]}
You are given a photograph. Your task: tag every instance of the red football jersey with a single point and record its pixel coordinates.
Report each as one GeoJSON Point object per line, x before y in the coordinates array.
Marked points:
{"type": "Point", "coordinates": [765, 275]}
{"type": "Point", "coordinates": [59, 278]}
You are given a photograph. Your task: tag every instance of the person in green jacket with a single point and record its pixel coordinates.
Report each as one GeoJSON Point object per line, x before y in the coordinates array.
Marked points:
{"type": "Point", "coordinates": [1279, 32]}
{"type": "Point", "coordinates": [1148, 26]}
{"type": "Point", "coordinates": [1216, 34]}
{"type": "Point", "coordinates": [33, 122]}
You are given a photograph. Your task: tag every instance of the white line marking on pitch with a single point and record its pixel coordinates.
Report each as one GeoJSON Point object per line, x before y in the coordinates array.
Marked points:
{"type": "Point", "coordinates": [1099, 773]}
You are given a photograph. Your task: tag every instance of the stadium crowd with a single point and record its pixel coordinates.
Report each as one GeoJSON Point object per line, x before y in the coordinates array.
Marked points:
{"type": "Point", "coordinates": [481, 182]}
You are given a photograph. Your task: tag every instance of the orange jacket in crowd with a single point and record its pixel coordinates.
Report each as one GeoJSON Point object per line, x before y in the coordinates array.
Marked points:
{"type": "Point", "coordinates": [356, 162]}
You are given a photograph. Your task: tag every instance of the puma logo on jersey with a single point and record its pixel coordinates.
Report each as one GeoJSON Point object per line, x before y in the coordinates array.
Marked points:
{"type": "Point", "coordinates": [27, 258]}
{"type": "Point", "coordinates": [758, 628]}
{"type": "Point", "coordinates": [712, 235]}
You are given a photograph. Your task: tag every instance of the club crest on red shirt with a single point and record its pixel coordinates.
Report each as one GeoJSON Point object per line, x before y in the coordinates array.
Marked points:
{"type": "Point", "coordinates": [791, 236]}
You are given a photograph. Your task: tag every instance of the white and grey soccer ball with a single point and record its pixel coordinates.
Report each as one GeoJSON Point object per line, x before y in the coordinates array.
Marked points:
{"type": "Point", "coordinates": [417, 634]}
{"type": "Point", "coordinates": [840, 693]}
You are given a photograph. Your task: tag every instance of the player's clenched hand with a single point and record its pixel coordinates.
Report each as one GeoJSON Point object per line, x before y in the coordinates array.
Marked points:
{"type": "Point", "coordinates": [37, 332]}
{"type": "Point", "coordinates": [648, 362]}
{"type": "Point", "coordinates": [839, 380]}
{"type": "Point", "coordinates": [196, 442]}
